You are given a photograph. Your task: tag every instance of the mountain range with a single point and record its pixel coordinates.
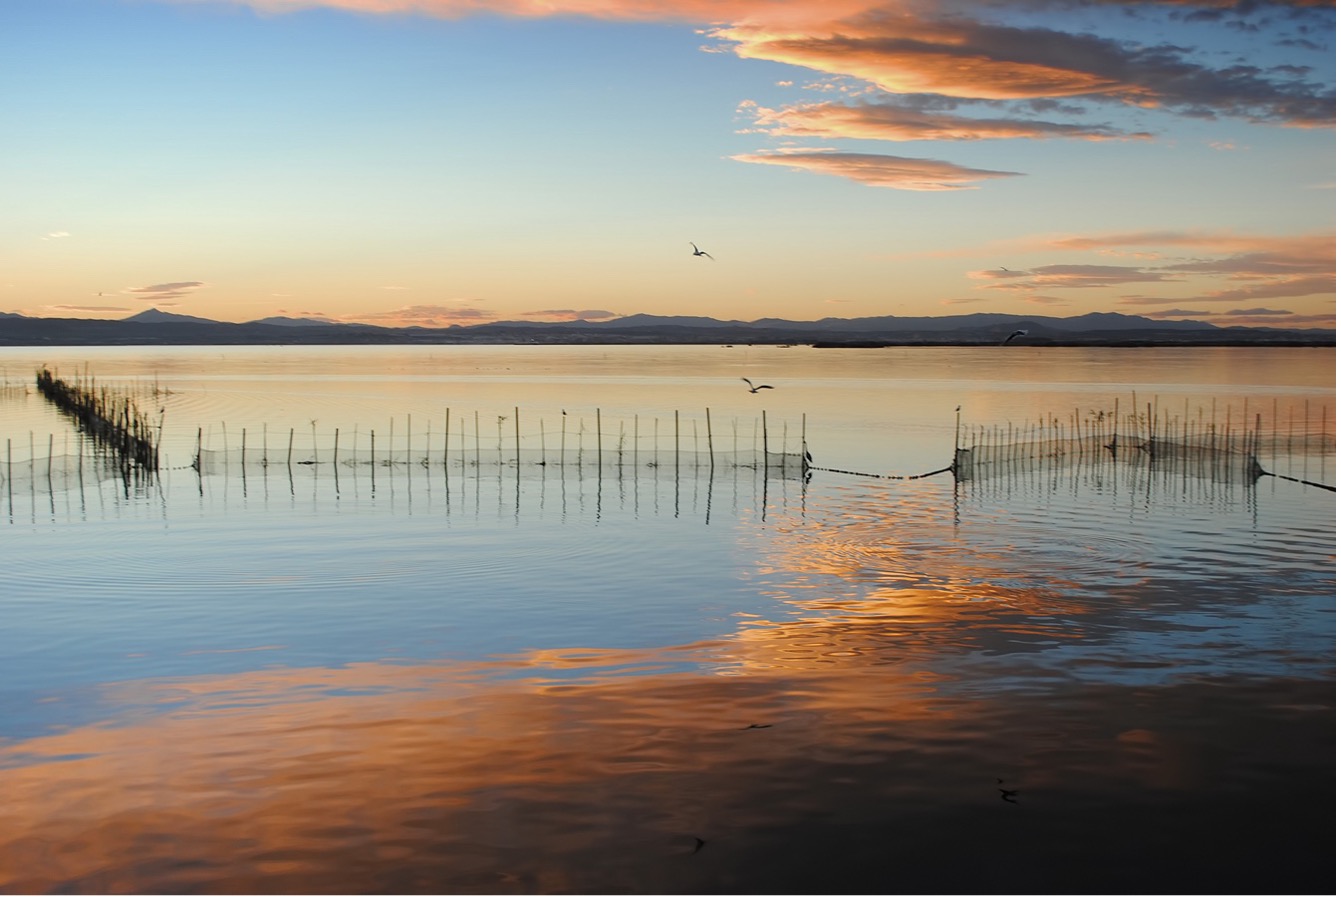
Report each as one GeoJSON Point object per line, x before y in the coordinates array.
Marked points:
{"type": "Point", "coordinates": [156, 327]}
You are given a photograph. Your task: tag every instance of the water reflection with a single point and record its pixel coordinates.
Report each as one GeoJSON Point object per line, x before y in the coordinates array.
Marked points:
{"type": "Point", "coordinates": [441, 779]}
{"type": "Point", "coordinates": [1149, 675]}
{"type": "Point", "coordinates": [404, 682]}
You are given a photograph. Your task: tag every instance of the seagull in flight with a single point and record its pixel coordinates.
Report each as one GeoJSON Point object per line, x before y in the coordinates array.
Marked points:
{"type": "Point", "coordinates": [753, 388]}
{"type": "Point", "coordinates": [699, 252]}
{"type": "Point", "coordinates": [1019, 333]}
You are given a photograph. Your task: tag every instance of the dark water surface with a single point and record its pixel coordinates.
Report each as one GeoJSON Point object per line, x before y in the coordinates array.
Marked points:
{"type": "Point", "coordinates": [1083, 678]}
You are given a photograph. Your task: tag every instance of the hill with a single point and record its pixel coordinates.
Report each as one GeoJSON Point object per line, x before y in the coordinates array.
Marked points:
{"type": "Point", "coordinates": [154, 327]}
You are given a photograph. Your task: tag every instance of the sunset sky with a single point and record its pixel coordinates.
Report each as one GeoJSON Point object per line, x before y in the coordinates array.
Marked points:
{"type": "Point", "coordinates": [440, 162]}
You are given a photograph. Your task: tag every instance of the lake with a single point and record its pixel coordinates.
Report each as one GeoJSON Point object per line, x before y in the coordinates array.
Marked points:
{"type": "Point", "coordinates": [355, 637]}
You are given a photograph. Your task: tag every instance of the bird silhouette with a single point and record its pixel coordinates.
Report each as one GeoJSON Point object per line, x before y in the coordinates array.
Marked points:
{"type": "Point", "coordinates": [1020, 333]}
{"type": "Point", "coordinates": [699, 252]}
{"type": "Point", "coordinates": [753, 388]}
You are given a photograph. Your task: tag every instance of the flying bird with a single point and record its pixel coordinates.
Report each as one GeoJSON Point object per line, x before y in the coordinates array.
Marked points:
{"type": "Point", "coordinates": [699, 252]}
{"type": "Point", "coordinates": [1020, 333]}
{"type": "Point", "coordinates": [753, 388]}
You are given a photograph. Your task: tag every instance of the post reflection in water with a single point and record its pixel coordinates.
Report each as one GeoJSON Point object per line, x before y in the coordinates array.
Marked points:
{"type": "Point", "coordinates": [1081, 684]}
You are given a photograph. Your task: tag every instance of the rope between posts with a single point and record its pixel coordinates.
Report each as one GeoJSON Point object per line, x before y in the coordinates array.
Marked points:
{"type": "Point", "coordinates": [951, 468]}
{"type": "Point", "coordinates": [1322, 486]}
{"type": "Point", "coordinates": [883, 476]}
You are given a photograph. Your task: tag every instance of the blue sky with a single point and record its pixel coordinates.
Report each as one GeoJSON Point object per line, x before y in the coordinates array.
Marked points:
{"type": "Point", "coordinates": [423, 162]}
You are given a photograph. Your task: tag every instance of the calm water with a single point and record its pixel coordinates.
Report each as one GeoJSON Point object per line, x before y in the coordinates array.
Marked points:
{"type": "Point", "coordinates": [405, 678]}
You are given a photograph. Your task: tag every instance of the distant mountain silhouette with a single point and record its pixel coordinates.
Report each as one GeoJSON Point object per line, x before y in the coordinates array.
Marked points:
{"type": "Point", "coordinates": [158, 316]}
{"type": "Point", "coordinates": [283, 321]}
{"type": "Point", "coordinates": [156, 327]}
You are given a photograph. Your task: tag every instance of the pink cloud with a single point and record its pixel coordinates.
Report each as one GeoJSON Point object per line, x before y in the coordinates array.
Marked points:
{"type": "Point", "coordinates": [896, 172]}
{"type": "Point", "coordinates": [919, 49]}
{"type": "Point", "coordinates": [423, 316]}
{"type": "Point", "coordinates": [1254, 267]}
{"type": "Point", "coordinates": [958, 50]}
{"type": "Point", "coordinates": [571, 315]}
{"type": "Point", "coordinates": [157, 292]}
{"type": "Point", "coordinates": [898, 121]}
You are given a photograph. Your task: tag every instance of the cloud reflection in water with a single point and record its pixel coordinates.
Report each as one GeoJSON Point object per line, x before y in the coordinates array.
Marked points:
{"type": "Point", "coordinates": [917, 651]}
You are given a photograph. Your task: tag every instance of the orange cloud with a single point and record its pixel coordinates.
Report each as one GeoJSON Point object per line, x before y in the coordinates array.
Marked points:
{"type": "Point", "coordinates": [897, 172]}
{"type": "Point", "coordinates": [1257, 267]}
{"type": "Point", "coordinates": [904, 46]}
{"type": "Point", "coordinates": [571, 315]}
{"type": "Point", "coordinates": [69, 308]}
{"type": "Point", "coordinates": [1274, 267]}
{"type": "Point", "coordinates": [1319, 246]}
{"type": "Point", "coordinates": [915, 56]}
{"type": "Point", "coordinates": [955, 56]}
{"type": "Point", "coordinates": [900, 121]}
{"type": "Point", "coordinates": [423, 316]}
{"type": "Point", "coordinates": [701, 11]}
{"type": "Point", "coordinates": [1279, 288]}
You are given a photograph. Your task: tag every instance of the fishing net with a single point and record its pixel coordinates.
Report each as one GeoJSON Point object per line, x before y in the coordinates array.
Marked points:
{"type": "Point", "coordinates": [1211, 456]}
{"type": "Point", "coordinates": [335, 461]}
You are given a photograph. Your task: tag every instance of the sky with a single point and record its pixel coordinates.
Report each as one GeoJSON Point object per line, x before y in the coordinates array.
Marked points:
{"type": "Point", "coordinates": [440, 162]}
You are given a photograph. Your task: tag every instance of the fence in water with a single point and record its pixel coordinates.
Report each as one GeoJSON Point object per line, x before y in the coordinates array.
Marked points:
{"type": "Point", "coordinates": [1225, 444]}
{"type": "Point", "coordinates": [474, 445]}
{"type": "Point", "coordinates": [112, 440]}
{"type": "Point", "coordinates": [112, 419]}
{"type": "Point", "coordinates": [469, 443]}
{"type": "Point", "coordinates": [1215, 446]}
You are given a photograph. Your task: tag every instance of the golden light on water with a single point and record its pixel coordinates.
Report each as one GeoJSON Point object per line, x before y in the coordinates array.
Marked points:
{"type": "Point", "coordinates": [810, 686]}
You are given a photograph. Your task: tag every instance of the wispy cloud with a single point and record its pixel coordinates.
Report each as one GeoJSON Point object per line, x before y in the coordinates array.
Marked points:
{"type": "Point", "coordinates": [1208, 268]}
{"type": "Point", "coordinates": [1247, 317]}
{"type": "Point", "coordinates": [73, 308]}
{"type": "Point", "coordinates": [313, 316]}
{"type": "Point", "coordinates": [898, 172]}
{"type": "Point", "coordinates": [1034, 69]}
{"type": "Point", "coordinates": [971, 48]}
{"type": "Point", "coordinates": [424, 316]}
{"type": "Point", "coordinates": [908, 49]}
{"type": "Point", "coordinates": [1179, 313]}
{"type": "Point", "coordinates": [1090, 276]}
{"type": "Point", "coordinates": [157, 292]}
{"type": "Point", "coordinates": [1276, 288]}
{"type": "Point", "coordinates": [901, 120]}
{"type": "Point", "coordinates": [571, 315]}
{"type": "Point", "coordinates": [56, 235]}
